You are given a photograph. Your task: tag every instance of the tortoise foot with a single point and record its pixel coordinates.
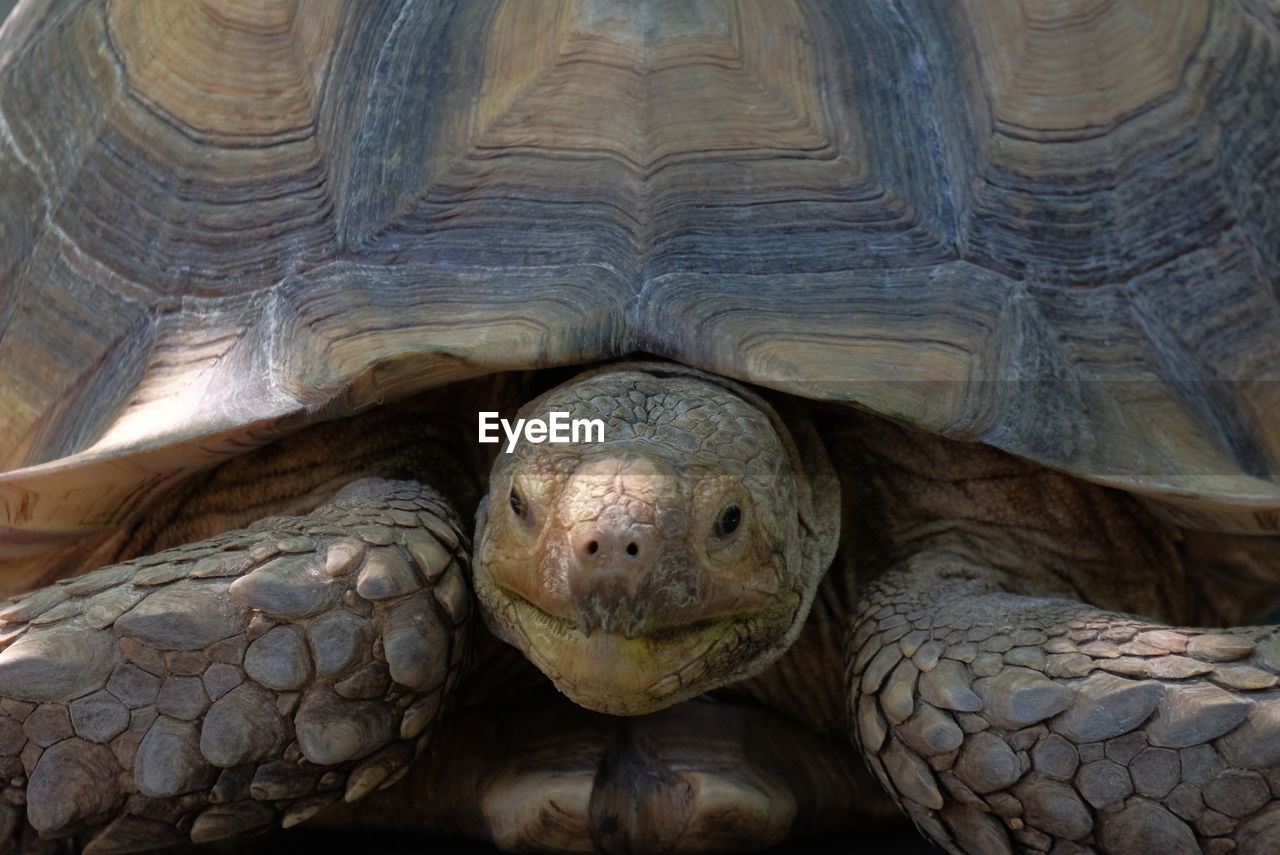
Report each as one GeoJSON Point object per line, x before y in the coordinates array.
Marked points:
{"type": "Point", "coordinates": [701, 776]}
{"type": "Point", "coordinates": [230, 685]}
{"type": "Point", "coordinates": [1008, 723]}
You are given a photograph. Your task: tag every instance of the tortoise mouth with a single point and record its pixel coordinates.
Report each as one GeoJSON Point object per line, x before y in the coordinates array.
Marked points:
{"type": "Point", "coordinates": [610, 673]}
{"type": "Point", "coordinates": [630, 620]}
{"type": "Point", "coordinates": [622, 674]}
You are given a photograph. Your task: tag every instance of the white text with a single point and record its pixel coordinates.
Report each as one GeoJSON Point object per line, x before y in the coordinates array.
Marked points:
{"type": "Point", "coordinates": [558, 428]}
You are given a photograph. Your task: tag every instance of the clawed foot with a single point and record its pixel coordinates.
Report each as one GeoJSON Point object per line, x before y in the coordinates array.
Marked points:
{"type": "Point", "coordinates": [225, 686]}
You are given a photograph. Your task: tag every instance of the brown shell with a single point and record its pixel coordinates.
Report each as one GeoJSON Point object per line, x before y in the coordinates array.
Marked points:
{"type": "Point", "coordinates": [1054, 227]}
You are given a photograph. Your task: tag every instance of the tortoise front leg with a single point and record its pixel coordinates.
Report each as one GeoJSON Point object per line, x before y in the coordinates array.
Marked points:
{"type": "Point", "coordinates": [229, 685]}
{"type": "Point", "coordinates": [1014, 723]}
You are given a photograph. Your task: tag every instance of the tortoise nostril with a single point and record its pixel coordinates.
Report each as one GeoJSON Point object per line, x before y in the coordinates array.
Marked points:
{"type": "Point", "coordinates": [608, 546]}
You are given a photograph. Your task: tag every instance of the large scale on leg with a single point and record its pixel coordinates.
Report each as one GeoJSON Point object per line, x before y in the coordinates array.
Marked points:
{"type": "Point", "coordinates": [1047, 227]}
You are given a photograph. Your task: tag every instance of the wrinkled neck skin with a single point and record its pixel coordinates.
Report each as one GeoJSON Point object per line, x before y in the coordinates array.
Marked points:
{"type": "Point", "coordinates": [679, 554]}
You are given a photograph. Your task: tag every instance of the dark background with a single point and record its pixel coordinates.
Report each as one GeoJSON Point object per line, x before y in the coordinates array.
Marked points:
{"type": "Point", "coordinates": [897, 841]}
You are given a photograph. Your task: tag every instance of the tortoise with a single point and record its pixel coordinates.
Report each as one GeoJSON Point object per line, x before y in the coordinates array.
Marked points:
{"type": "Point", "coordinates": [933, 350]}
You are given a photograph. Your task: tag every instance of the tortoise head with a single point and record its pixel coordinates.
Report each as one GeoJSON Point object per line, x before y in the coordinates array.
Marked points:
{"type": "Point", "coordinates": [673, 548]}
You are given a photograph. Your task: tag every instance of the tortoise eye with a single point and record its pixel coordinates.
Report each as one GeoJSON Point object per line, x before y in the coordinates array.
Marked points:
{"type": "Point", "coordinates": [517, 503]}
{"type": "Point", "coordinates": [730, 517]}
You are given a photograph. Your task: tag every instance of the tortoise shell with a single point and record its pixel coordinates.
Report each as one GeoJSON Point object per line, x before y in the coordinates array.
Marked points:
{"type": "Point", "coordinates": [1054, 228]}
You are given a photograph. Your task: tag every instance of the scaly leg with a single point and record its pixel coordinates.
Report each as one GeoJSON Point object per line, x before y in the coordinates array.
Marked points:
{"type": "Point", "coordinates": [1003, 711]}
{"type": "Point", "coordinates": [225, 686]}
{"type": "Point", "coordinates": [1002, 721]}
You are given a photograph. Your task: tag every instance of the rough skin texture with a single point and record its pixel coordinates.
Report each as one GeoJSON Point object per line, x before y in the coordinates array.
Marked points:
{"type": "Point", "coordinates": [976, 639]}
{"type": "Point", "coordinates": [1003, 712]}
{"type": "Point", "coordinates": [235, 683]}
{"type": "Point", "coordinates": [611, 565]}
